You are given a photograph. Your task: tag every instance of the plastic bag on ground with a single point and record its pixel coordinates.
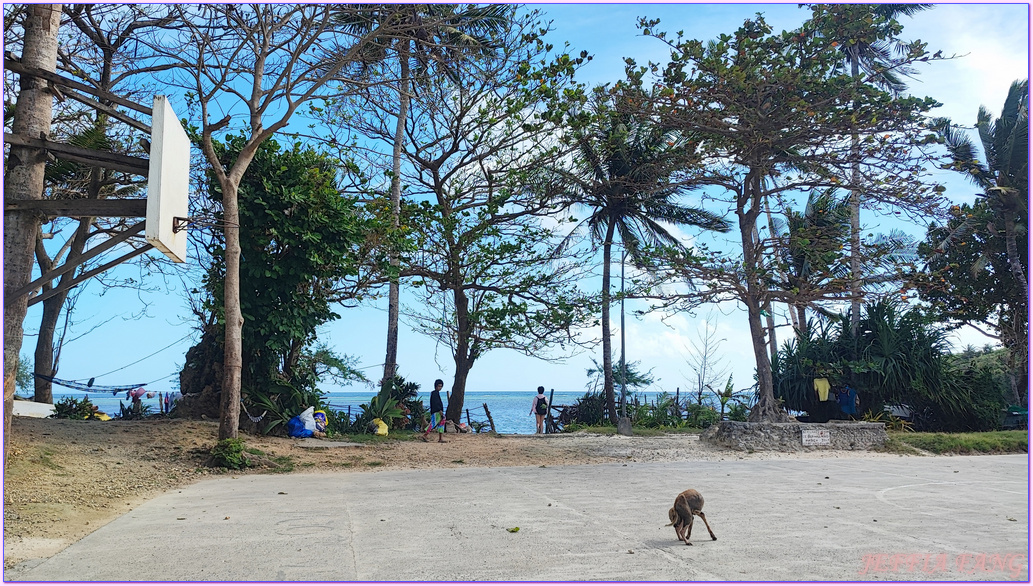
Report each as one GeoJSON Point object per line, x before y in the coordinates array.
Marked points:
{"type": "Point", "coordinates": [381, 426]}
{"type": "Point", "coordinates": [308, 418]}
{"type": "Point", "coordinates": [296, 428]}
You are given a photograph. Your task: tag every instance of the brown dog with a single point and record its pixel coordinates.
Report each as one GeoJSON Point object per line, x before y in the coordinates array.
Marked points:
{"type": "Point", "coordinates": [686, 505]}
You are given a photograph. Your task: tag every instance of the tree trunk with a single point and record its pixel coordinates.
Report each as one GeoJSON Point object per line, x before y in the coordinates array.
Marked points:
{"type": "Point", "coordinates": [607, 350]}
{"type": "Point", "coordinates": [391, 358]}
{"type": "Point", "coordinates": [229, 411]}
{"type": "Point", "coordinates": [23, 179]}
{"type": "Point", "coordinates": [465, 355]}
{"type": "Point", "coordinates": [748, 210]}
{"type": "Point", "coordinates": [46, 352]}
{"type": "Point", "coordinates": [855, 219]}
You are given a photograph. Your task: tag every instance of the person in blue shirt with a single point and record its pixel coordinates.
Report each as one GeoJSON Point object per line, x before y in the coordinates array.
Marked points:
{"type": "Point", "coordinates": [847, 398]}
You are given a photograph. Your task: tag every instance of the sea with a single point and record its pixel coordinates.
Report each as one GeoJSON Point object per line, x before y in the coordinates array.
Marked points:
{"type": "Point", "coordinates": [509, 409]}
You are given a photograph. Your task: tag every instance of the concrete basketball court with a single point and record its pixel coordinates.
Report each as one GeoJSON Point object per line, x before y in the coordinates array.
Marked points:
{"type": "Point", "coordinates": [888, 518]}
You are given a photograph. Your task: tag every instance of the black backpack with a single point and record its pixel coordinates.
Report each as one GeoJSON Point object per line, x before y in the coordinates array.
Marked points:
{"type": "Point", "coordinates": [542, 407]}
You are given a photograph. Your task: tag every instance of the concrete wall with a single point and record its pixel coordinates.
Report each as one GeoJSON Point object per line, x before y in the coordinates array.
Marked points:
{"type": "Point", "coordinates": [843, 435]}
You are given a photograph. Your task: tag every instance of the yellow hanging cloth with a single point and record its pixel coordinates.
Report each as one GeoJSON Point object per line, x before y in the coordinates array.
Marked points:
{"type": "Point", "coordinates": [822, 386]}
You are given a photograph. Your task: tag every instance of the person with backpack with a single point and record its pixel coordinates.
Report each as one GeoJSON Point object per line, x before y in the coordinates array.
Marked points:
{"type": "Point", "coordinates": [540, 408]}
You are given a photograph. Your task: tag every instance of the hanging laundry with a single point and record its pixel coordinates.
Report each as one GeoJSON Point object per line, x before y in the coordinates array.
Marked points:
{"type": "Point", "coordinates": [821, 385]}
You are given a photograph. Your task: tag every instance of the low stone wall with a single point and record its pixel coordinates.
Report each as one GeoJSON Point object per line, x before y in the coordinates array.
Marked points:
{"type": "Point", "coordinates": [789, 437]}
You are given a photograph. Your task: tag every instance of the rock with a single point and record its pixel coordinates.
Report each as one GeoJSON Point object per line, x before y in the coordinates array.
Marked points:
{"type": "Point", "coordinates": [844, 435]}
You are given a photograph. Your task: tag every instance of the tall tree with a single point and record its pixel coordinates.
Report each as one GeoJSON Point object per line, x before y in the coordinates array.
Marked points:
{"type": "Point", "coordinates": [302, 243]}
{"type": "Point", "coordinates": [770, 110]}
{"type": "Point", "coordinates": [94, 50]}
{"type": "Point", "coordinates": [490, 277]}
{"type": "Point", "coordinates": [256, 63]}
{"type": "Point", "coordinates": [867, 37]}
{"type": "Point", "coordinates": [978, 260]}
{"type": "Point", "coordinates": [623, 172]}
{"type": "Point", "coordinates": [437, 35]}
{"type": "Point", "coordinates": [23, 180]}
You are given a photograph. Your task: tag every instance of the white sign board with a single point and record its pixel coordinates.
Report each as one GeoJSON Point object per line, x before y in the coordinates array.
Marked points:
{"type": "Point", "coordinates": [168, 182]}
{"type": "Point", "coordinates": [816, 437]}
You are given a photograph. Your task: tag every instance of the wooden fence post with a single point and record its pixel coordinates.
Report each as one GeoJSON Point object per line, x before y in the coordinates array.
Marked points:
{"type": "Point", "coordinates": [490, 420]}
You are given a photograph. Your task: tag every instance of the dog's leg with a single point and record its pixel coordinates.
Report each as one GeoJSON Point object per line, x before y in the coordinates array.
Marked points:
{"type": "Point", "coordinates": [688, 531]}
{"type": "Point", "coordinates": [704, 517]}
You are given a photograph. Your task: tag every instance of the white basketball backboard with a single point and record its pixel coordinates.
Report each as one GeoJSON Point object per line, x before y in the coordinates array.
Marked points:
{"type": "Point", "coordinates": [168, 182]}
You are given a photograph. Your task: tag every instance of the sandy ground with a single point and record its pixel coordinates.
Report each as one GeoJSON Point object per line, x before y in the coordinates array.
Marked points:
{"type": "Point", "coordinates": [65, 478]}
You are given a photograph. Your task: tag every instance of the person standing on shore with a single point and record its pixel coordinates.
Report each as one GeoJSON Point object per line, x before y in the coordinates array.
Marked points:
{"type": "Point", "coordinates": [540, 408]}
{"type": "Point", "coordinates": [437, 413]}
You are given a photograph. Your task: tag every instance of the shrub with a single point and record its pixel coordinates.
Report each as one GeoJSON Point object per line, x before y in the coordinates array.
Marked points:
{"type": "Point", "coordinates": [590, 408]}
{"type": "Point", "coordinates": [738, 412]}
{"type": "Point", "coordinates": [701, 416]}
{"type": "Point", "coordinates": [228, 453]}
{"type": "Point", "coordinates": [71, 408]}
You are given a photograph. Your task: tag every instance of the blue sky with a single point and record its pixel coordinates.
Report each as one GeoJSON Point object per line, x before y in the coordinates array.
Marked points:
{"type": "Point", "coordinates": [992, 37]}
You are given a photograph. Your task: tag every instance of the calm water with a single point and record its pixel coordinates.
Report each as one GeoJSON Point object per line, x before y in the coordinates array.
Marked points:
{"type": "Point", "coordinates": [509, 409]}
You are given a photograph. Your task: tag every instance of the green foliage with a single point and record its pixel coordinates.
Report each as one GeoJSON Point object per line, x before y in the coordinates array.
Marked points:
{"type": "Point", "coordinates": [590, 409]}
{"type": "Point", "coordinates": [636, 380]}
{"type": "Point", "coordinates": [134, 411]}
{"type": "Point", "coordinates": [397, 405]}
{"type": "Point", "coordinates": [771, 113]}
{"type": "Point", "coordinates": [229, 453]}
{"type": "Point", "coordinates": [977, 264]}
{"type": "Point", "coordinates": [738, 412]}
{"type": "Point", "coordinates": [303, 246]}
{"type": "Point", "coordinates": [23, 378]}
{"type": "Point", "coordinates": [72, 408]}
{"type": "Point", "coordinates": [663, 412]}
{"type": "Point", "coordinates": [700, 416]}
{"type": "Point", "coordinates": [896, 358]}
{"type": "Point", "coordinates": [891, 422]}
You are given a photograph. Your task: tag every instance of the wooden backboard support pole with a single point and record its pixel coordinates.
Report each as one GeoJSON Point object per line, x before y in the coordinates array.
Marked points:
{"type": "Point", "coordinates": [166, 206]}
{"type": "Point", "coordinates": [72, 263]}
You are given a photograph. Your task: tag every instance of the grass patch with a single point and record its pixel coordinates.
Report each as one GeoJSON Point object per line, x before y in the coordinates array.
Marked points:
{"type": "Point", "coordinates": [989, 442]}
{"type": "Point", "coordinates": [458, 462]}
{"type": "Point", "coordinates": [284, 464]}
{"type": "Point", "coordinates": [44, 458]}
{"type": "Point", "coordinates": [254, 451]}
{"type": "Point", "coordinates": [374, 463]}
{"type": "Point", "coordinates": [639, 431]}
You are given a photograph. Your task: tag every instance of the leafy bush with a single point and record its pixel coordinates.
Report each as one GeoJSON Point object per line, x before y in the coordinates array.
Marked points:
{"type": "Point", "coordinates": [71, 408]}
{"type": "Point", "coordinates": [663, 413]}
{"type": "Point", "coordinates": [701, 416]}
{"type": "Point", "coordinates": [738, 412]}
{"type": "Point", "coordinates": [229, 453]}
{"type": "Point", "coordinates": [590, 408]}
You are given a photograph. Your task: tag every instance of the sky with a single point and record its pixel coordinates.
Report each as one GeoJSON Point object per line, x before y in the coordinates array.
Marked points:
{"type": "Point", "coordinates": [129, 337]}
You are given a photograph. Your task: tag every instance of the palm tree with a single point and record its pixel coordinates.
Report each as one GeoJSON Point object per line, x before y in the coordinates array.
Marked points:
{"type": "Point", "coordinates": [436, 35]}
{"type": "Point", "coordinates": [1004, 176]}
{"type": "Point", "coordinates": [622, 169]}
{"type": "Point", "coordinates": [875, 59]}
{"type": "Point", "coordinates": [812, 254]}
